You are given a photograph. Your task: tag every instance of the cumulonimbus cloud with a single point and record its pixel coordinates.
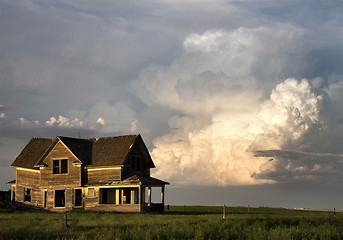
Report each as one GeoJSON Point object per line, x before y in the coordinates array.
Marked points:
{"type": "Point", "coordinates": [223, 115]}
{"type": "Point", "coordinates": [221, 152]}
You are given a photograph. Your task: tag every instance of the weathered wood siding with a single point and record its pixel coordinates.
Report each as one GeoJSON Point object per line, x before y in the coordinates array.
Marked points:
{"type": "Point", "coordinates": [136, 150]}
{"type": "Point", "coordinates": [103, 175]}
{"type": "Point", "coordinates": [35, 195]}
{"type": "Point", "coordinates": [117, 208]}
{"type": "Point", "coordinates": [72, 178]}
{"type": "Point", "coordinates": [19, 195]}
{"type": "Point", "coordinates": [50, 199]}
{"type": "Point", "coordinates": [69, 199]}
{"type": "Point", "coordinates": [91, 201]}
{"type": "Point", "coordinates": [27, 178]}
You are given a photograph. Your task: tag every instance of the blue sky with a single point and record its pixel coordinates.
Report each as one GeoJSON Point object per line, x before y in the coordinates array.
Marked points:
{"type": "Point", "coordinates": [234, 99]}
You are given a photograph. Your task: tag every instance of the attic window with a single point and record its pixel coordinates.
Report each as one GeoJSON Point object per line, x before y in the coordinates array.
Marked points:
{"type": "Point", "coordinates": [60, 166]}
{"type": "Point", "coordinates": [136, 163]}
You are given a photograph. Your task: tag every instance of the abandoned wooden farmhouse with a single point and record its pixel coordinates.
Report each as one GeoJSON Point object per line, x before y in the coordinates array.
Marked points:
{"type": "Point", "coordinates": [61, 174]}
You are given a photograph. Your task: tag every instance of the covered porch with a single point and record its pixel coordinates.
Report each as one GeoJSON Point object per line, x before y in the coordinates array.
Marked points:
{"type": "Point", "coordinates": [132, 194]}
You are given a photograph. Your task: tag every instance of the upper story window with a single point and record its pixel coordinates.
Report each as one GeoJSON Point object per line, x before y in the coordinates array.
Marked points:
{"type": "Point", "coordinates": [60, 166]}
{"type": "Point", "coordinates": [136, 163]}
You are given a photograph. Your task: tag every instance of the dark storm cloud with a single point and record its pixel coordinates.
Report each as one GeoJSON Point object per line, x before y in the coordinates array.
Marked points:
{"type": "Point", "coordinates": [289, 166]}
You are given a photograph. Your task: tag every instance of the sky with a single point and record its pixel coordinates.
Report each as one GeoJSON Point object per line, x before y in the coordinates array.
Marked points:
{"type": "Point", "coordinates": [238, 102]}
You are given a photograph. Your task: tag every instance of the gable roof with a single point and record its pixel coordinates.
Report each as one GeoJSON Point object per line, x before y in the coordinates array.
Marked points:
{"type": "Point", "coordinates": [111, 151]}
{"type": "Point", "coordinates": [81, 148]}
{"type": "Point", "coordinates": [32, 153]}
{"type": "Point", "coordinates": [108, 151]}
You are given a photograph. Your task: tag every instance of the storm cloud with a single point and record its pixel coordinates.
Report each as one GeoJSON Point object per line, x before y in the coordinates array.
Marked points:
{"type": "Point", "coordinates": [291, 166]}
{"type": "Point", "coordinates": [225, 93]}
{"type": "Point", "coordinates": [224, 114]}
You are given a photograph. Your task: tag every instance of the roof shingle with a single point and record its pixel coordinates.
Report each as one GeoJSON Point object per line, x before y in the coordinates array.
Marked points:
{"type": "Point", "coordinates": [108, 151]}
{"type": "Point", "coordinates": [32, 152]}
{"type": "Point", "coordinates": [111, 150]}
{"type": "Point", "coordinates": [81, 148]}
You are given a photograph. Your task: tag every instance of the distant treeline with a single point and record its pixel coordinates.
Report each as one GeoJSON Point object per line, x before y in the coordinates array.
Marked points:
{"type": "Point", "coordinates": [5, 199]}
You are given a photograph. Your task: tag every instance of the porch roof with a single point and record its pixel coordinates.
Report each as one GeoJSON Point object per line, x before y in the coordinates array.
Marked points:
{"type": "Point", "coordinates": [11, 182]}
{"type": "Point", "coordinates": [133, 180]}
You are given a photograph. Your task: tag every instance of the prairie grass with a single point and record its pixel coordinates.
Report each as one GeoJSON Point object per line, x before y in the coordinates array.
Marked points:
{"type": "Point", "coordinates": [190, 222]}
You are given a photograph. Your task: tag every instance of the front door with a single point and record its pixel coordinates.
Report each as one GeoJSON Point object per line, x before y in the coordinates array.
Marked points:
{"type": "Point", "coordinates": [59, 198]}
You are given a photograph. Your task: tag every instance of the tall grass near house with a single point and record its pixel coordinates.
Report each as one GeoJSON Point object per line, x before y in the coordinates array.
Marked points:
{"type": "Point", "coordinates": [5, 199]}
{"type": "Point", "coordinates": [204, 223]}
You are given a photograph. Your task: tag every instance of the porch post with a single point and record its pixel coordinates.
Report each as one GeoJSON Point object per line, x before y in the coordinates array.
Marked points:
{"type": "Point", "coordinates": [118, 196]}
{"type": "Point", "coordinates": [132, 196]}
{"type": "Point", "coordinates": [149, 196]}
{"type": "Point", "coordinates": [162, 195]}
{"type": "Point", "coordinates": [121, 196]}
{"type": "Point", "coordinates": [139, 198]}
{"type": "Point", "coordinates": [139, 195]}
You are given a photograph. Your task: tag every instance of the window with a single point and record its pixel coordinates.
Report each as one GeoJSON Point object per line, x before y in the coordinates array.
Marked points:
{"type": "Point", "coordinates": [60, 166]}
{"type": "Point", "coordinates": [78, 197]}
{"type": "Point", "coordinates": [91, 192]}
{"type": "Point", "coordinates": [136, 163]}
{"type": "Point", "coordinates": [27, 194]}
{"type": "Point", "coordinates": [45, 198]}
{"type": "Point", "coordinates": [59, 198]}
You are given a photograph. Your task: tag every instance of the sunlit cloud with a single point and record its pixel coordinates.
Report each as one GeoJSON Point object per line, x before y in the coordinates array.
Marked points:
{"type": "Point", "coordinates": [61, 122]}
{"type": "Point", "coordinates": [223, 114]}
{"type": "Point", "coordinates": [100, 121]}
{"type": "Point", "coordinates": [220, 152]}
{"type": "Point", "coordinates": [133, 128]}
{"type": "Point", "coordinates": [64, 122]}
{"type": "Point", "coordinates": [23, 121]}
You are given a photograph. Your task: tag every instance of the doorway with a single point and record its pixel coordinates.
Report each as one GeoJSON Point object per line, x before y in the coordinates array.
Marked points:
{"type": "Point", "coordinates": [59, 198]}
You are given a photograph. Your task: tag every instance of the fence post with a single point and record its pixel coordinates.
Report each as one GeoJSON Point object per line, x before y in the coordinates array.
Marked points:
{"type": "Point", "coordinates": [334, 212]}
{"type": "Point", "coordinates": [249, 208]}
{"type": "Point", "coordinates": [224, 211]}
{"type": "Point", "coordinates": [66, 219]}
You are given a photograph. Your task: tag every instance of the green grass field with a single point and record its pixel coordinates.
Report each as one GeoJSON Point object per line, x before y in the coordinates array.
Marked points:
{"type": "Point", "coordinates": [181, 222]}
